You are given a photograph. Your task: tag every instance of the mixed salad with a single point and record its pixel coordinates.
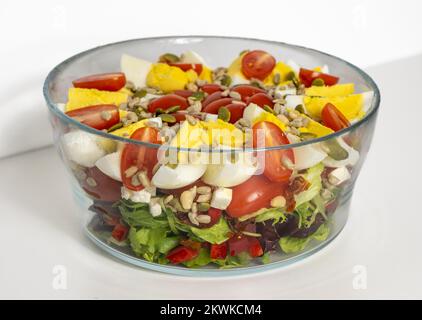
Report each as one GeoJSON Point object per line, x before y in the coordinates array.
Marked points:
{"type": "Point", "coordinates": [204, 191]}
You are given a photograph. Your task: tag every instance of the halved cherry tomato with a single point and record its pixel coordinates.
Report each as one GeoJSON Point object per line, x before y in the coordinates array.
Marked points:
{"type": "Point", "coordinates": [102, 116]}
{"type": "Point", "coordinates": [307, 76]}
{"type": "Point", "coordinates": [120, 232]}
{"type": "Point", "coordinates": [100, 186]}
{"type": "Point", "coordinates": [236, 111]}
{"type": "Point", "coordinates": [257, 64]}
{"type": "Point", "coordinates": [275, 160]}
{"type": "Point", "coordinates": [212, 97]}
{"type": "Point", "coordinates": [168, 101]}
{"type": "Point", "coordinates": [218, 251]}
{"type": "Point", "coordinates": [104, 81]}
{"type": "Point", "coordinates": [237, 244]}
{"type": "Point", "coordinates": [215, 215]}
{"type": "Point", "coordinates": [183, 93]}
{"type": "Point", "coordinates": [255, 249]}
{"type": "Point", "coordinates": [217, 104]}
{"type": "Point", "coordinates": [181, 254]}
{"type": "Point", "coordinates": [261, 99]}
{"type": "Point", "coordinates": [211, 88]}
{"type": "Point", "coordinates": [333, 118]}
{"type": "Point", "coordinates": [181, 116]}
{"type": "Point", "coordinates": [253, 194]}
{"type": "Point", "coordinates": [197, 67]}
{"type": "Point", "coordinates": [143, 157]}
{"type": "Point", "coordinates": [246, 91]}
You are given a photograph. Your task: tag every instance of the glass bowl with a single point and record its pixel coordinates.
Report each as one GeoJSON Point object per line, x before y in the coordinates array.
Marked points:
{"type": "Point", "coordinates": [288, 237]}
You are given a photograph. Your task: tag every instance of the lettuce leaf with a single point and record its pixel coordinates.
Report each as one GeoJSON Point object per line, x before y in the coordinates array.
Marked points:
{"type": "Point", "coordinates": [275, 214]}
{"type": "Point", "coordinates": [216, 234]}
{"type": "Point", "coordinates": [138, 215]}
{"type": "Point", "coordinates": [202, 259]}
{"type": "Point", "coordinates": [292, 244]}
{"type": "Point", "coordinates": [313, 176]}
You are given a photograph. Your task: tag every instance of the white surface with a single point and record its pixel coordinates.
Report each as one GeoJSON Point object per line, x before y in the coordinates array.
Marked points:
{"type": "Point", "coordinates": [44, 33]}
{"type": "Point", "coordinates": [40, 229]}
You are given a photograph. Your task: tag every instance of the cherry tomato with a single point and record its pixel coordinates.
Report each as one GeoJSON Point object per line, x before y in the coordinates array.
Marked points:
{"type": "Point", "coordinates": [255, 249]}
{"type": "Point", "coordinates": [102, 116]}
{"type": "Point", "coordinates": [236, 111]}
{"type": "Point", "coordinates": [120, 232]}
{"type": "Point", "coordinates": [183, 93]}
{"type": "Point", "coordinates": [275, 160]}
{"type": "Point", "coordinates": [333, 118]}
{"type": "Point", "coordinates": [307, 76]}
{"type": "Point", "coordinates": [181, 254]}
{"type": "Point", "coordinates": [253, 194]}
{"type": "Point", "coordinates": [105, 81]}
{"type": "Point", "coordinates": [197, 67]}
{"type": "Point", "coordinates": [211, 88]}
{"type": "Point", "coordinates": [212, 97]}
{"type": "Point", "coordinates": [168, 101]}
{"type": "Point", "coordinates": [217, 104]}
{"type": "Point", "coordinates": [143, 157]}
{"type": "Point", "coordinates": [261, 99]}
{"type": "Point", "coordinates": [257, 64]}
{"type": "Point", "coordinates": [218, 251]}
{"type": "Point", "coordinates": [101, 187]}
{"type": "Point", "coordinates": [246, 91]}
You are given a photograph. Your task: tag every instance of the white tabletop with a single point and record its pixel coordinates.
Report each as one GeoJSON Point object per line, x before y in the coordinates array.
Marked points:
{"type": "Point", "coordinates": [381, 241]}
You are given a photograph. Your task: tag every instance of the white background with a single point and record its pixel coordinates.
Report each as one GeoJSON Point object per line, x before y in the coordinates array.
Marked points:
{"type": "Point", "coordinates": [40, 229]}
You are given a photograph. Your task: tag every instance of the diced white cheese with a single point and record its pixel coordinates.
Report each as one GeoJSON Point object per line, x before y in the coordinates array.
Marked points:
{"type": "Point", "coordinates": [221, 198]}
{"type": "Point", "coordinates": [135, 69]}
{"type": "Point", "coordinates": [281, 93]}
{"type": "Point", "coordinates": [252, 111]}
{"type": "Point", "coordinates": [82, 148]}
{"type": "Point", "coordinates": [351, 160]}
{"type": "Point", "coordinates": [338, 176]}
{"type": "Point", "coordinates": [110, 165]}
{"type": "Point", "coordinates": [157, 120]}
{"type": "Point", "coordinates": [155, 209]}
{"type": "Point", "coordinates": [136, 196]}
{"type": "Point", "coordinates": [293, 101]}
{"type": "Point", "coordinates": [191, 57]}
{"type": "Point", "coordinates": [209, 117]}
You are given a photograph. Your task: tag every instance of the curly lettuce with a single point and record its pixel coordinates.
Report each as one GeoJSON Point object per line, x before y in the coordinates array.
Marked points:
{"type": "Point", "coordinates": [293, 244]}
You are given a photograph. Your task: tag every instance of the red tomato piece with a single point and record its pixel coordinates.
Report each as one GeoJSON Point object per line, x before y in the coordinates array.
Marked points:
{"type": "Point", "coordinates": [102, 116]}
{"type": "Point", "coordinates": [197, 67]}
{"type": "Point", "coordinates": [181, 116]}
{"type": "Point", "coordinates": [246, 91]}
{"type": "Point", "coordinates": [237, 244]}
{"type": "Point", "coordinates": [211, 88]}
{"type": "Point", "coordinates": [257, 64]}
{"type": "Point", "coordinates": [276, 161]}
{"type": "Point", "coordinates": [218, 251]}
{"type": "Point", "coordinates": [120, 232]}
{"type": "Point", "coordinates": [168, 101]}
{"type": "Point", "coordinates": [261, 99]}
{"type": "Point", "coordinates": [215, 215]}
{"type": "Point", "coordinates": [100, 186]}
{"type": "Point", "coordinates": [332, 117]}
{"type": "Point", "coordinates": [307, 76]}
{"type": "Point", "coordinates": [212, 97]}
{"type": "Point", "coordinates": [253, 194]}
{"type": "Point", "coordinates": [182, 254]}
{"type": "Point", "coordinates": [104, 81]}
{"type": "Point", "coordinates": [142, 157]}
{"type": "Point", "coordinates": [255, 249]}
{"type": "Point", "coordinates": [217, 104]}
{"type": "Point", "coordinates": [236, 111]}
{"type": "Point", "coordinates": [183, 93]}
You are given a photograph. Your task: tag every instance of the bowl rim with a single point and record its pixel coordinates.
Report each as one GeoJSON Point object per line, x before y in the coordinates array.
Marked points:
{"type": "Point", "coordinates": [55, 110]}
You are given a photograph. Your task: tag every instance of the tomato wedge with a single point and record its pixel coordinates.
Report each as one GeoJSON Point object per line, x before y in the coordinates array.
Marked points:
{"type": "Point", "coordinates": [257, 64]}
{"type": "Point", "coordinates": [182, 254]}
{"type": "Point", "coordinates": [168, 101]}
{"type": "Point", "coordinates": [255, 249]}
{"type": "Point", "coordinates": [104, 81]}
{"type": "Point", "coordinates": [211, 98]}
{"type": "Point", "coordinates": [332, 117]}
{"type": "Point", "coordinates": [142, 157]}
{"type": "Point", "coordinates": [102, 116]}
{"type": "Point", "coordinates": [120, 232]}
{"type": "Point", "coordinates": [215, 215]}
{"type": "Point", "coordinates": [211, 88]}
{"type": "Point", "coordinates": [100, 186]}
{"type": "Point", "coordinates": [246, 91]}
{"type": "Point", "coordinates": [237, 244]}
{"type": "Point", "coordinates": [261, 99]}
{"type": "Point", "coordinates": [197, 67]}
{"type": "Point", "coordinates": [307, 76]}
{"type": "Point", "coordinates": [236, 111]}
{"type": "Point", "coordinates": [254, 194]}
{"type": "Point", "coordinates": [183, 93]}
{"type": "Point", "coordinates": [217, 104]}
{"type": "Point", "coordinates": [218, 251]}
{"type": "Point", "coordinates": [276, 161]}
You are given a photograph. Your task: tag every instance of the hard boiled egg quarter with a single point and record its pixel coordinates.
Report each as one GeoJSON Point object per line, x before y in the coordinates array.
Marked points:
{"type": "Point", "coordinates": [135, 69]}
{"type": "Point", "coordinates": [167, 177]}
{"type": "Point", "coordinates": [110, 165]}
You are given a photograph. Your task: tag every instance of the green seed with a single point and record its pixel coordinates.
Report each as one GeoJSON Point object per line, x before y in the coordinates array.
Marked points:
{"type": "Point", "coordinates": [203, 206]}
{"type": "Point", "coordinates": [115, 127]}
{"type": "Point", "coordinates": [172, 109]}
{"type": "Point", "coordinates": [268, 109]}
{"type": "Point", "coordinates": [290, 76]}
{"type": "Point", "coordinates": [167, 118]}
{"type": "Point", "coordinates": [307, 135]}
{"type": "Point", "coordinates": [169, 58]}
{"type": "Point", "coordinates": [224, 114]}
{"type": "Point", "coordinates": [226, 80]}
{"type": "Point", "coordinates": [140, 93]}
{"type": "Point", "coordinates": [276, 78]}
{"type": "Point", "coordinates": [198, 95]}
{"type": "Point", "coordinates": [334, 150]}
{"type": "Point", "coordinates": [300, 108]}
{"type": "Point", "coordinates": [318, 82]}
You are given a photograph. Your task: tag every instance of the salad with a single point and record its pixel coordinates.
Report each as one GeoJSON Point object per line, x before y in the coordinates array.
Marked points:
{"type": "Point", "coordinates": [209, 178]}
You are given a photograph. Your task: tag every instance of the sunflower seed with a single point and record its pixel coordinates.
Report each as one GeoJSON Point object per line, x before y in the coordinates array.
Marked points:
{"type": "Point", "coordinates": [278, 202]}
{"type": "Point", "coordinates": [235, 95]}
{"type": "Point", "coordinates": [91, 182]}
{"type": "Point", "coordinates": [203, 190]}
{"type": "Point", "coordinates": [193, 218]}
{"type": "Point", "coordinates": [204, 198]}
{"type": "Point", "coordinates": [203, 218]}
{"type": "Point", "coordinates": [129, 172]}
{"type": "Point", "coordinates": [143, 178]}
{"type": "Point", "coordinates": [276, 78]}
{"type": "Point", "coordinates": [187, 197]}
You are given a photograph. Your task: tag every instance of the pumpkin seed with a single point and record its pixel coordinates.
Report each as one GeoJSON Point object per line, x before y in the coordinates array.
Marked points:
{"type": "Point", "coordinates": [334, 150]}
{"type": "Point", "coordinates": [226, 80]}
{"type": "Point", "coordinates": [224, 114]}
{"type": "Point", "coordinates": [203, 207]}
{"type": "Point", "coordinates": [198, 95]}
{"type": "Point", "coordinates": [169, 57]}
{"type": "Point", "coordinates": [290, 76]}
{"type": "Point", "coordinates": [307, 135]}
{"type": "Point", "coordinates": [269, 109]}
{"type": "Point", "coordinates": [167, 118]}
{"type": "Point", "coordinates": [318, 82]}
{"type": "Point", "coordinates": [300, 108]}
{"type": "Point", "coordinates": [115, 127]}
{"type": "Point", "coordinates": [140, 93]}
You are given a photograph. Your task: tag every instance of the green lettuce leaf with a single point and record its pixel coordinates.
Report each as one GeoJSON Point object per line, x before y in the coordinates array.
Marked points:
{"type": "Point", "coordinates": [313, 176]}
{"type": "Point", "coordinates": [275, 214]}
{"type": "Point", "coordinates": [138, 215]}
{"type": "Point", "coordinates": [216, 234]}
{"type": "Point", "coordinates": [202, 259]}
{"type": "Point", "coordinates": [292, 244]}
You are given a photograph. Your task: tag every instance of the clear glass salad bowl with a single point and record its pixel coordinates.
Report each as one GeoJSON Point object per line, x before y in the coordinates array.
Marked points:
{"type": "Point", "coordinates": [286, 236]}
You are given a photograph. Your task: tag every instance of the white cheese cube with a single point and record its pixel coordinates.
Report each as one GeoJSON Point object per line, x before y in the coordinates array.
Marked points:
{"type": "Point", "coordinates": [157, 120]}
{"type": "Point", "coordinates": [221, 198]}
{"type": "Point", "coordinates": [252, 111]}
{"type": "Point", "coordinates": [338, 176]}
{"type": "Point", "coordinates": [209, 117]}
{"type": "Point", "coordinates": [281, 93]}
{"type": "Point", "coordinates": [136, 196]}
{"type": "Point", "coordinates": [82, 148]}
{"type": "Point", "coordinates": [135, 69]}
{"type": "Point", "coordinates": [293, 101]}
{"type": "Point", "coordinates": [155, 209]}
